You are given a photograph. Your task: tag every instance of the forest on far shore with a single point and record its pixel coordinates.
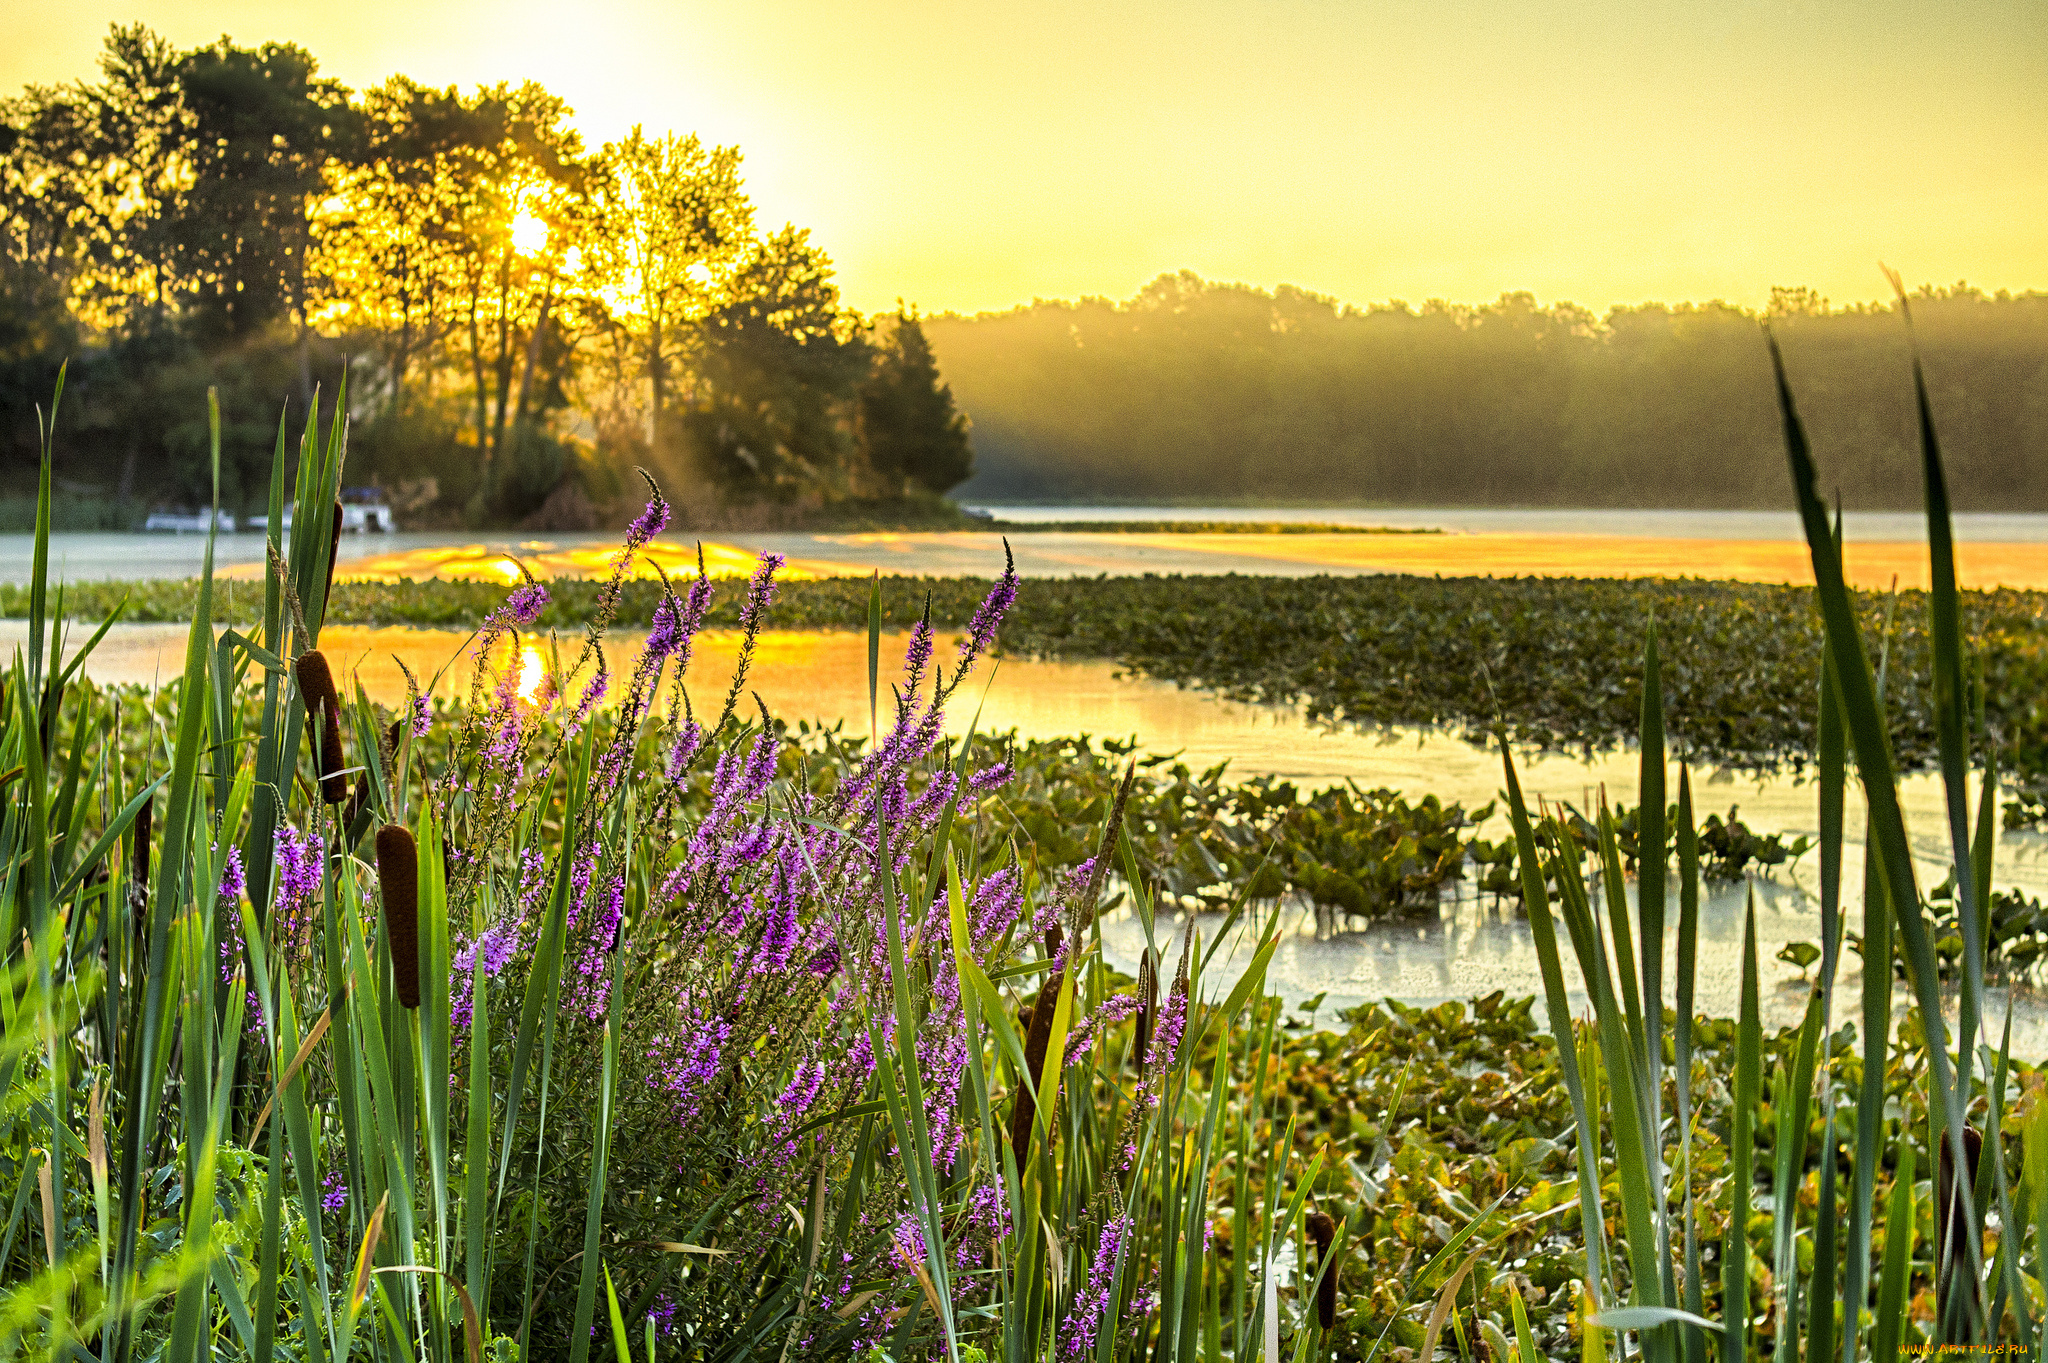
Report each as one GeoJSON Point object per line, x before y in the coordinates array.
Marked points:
{"type": "Point", "coordinates": [1195, 390]}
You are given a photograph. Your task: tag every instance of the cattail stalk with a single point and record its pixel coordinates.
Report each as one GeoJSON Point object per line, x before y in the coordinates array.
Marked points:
{"type": "Point", "coordinates": [138, 850]}
{"type": "Point", "coordinates": [1038, 1036]}
{"type": "Point", "coordinates": [398, 876]}
{"type": "Point", "coordinates": [316, 688]}
{"type": "Point", "coordinates": [1148, 1005]}
{"type": "Point", "coordinates": [361, 797]}
{"type": "Point", "coordinates": [1323, 1230]}
{"type": "Point", "coordinates": [1954, 1240]}
{"type": "Point", "coordinates": [333, 551]}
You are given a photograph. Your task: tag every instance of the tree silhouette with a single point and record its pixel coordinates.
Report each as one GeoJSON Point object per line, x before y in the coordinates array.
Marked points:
{"type": "Point", "coordinates": [912, 431]}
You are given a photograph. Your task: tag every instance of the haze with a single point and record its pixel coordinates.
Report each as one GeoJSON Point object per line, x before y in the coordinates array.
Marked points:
{"type": "Point", "coordinates": [975, 157]}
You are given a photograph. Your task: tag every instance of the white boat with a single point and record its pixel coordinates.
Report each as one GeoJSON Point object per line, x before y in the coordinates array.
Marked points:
{"type": "Point", "coordinates": [179, 521]}
{"type": "Point", "coordinates": [363, 511]}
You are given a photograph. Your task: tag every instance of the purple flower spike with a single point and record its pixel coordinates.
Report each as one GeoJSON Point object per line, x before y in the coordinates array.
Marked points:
{"type": "Point", "coordinates": [981, 630]}
{"type": "Point", "coordinates": [525, 604]}
{"type": "Point", "coordinates": [663, 635]}
{"type": "Point", "coordinates": [232, 882]}
{"type": "Point", "coordinates": [422, 715]}
{"type": "Point", "coordinates": [649, 523]}
{"type": "Point", "coordinates": [299, 857]}
{"type": "Point", "coordinates": [760, 590]}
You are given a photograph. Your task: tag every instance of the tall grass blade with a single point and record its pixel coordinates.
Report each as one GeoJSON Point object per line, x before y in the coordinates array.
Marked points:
{"type": "Point", "coordinates": [1871, 743]}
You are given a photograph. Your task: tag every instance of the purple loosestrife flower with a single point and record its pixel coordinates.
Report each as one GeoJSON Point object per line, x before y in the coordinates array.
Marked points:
{"type": "Point", "coordinates": [232, 882]}
{"type": "Point", "coordinates": [593, 692]}
{"type": "Point", "coordinates": [333, 1193]}
{"type": "Point", "coordinates": [997, 902]}
{"type": "Point", "coordinates": [688, 1068]}
{"type": "Point", "coordinates": [688, 741]}
{"type": "Point", "coordinates": [982, 628]}
{"type": "Point", "coordinates": [760, 590]}
{"type": "Point", "coordinates": [422, 714]}
{"type": "Point", "coordinates": [648, 523]}
{"type": "Point", "coordinates": [1085, 1320]}
{"type": "Point", "coordinates": [696, 603]}
{"type": "Point", "coordinates": [662, 634]}
{"type": "Point", "coordinates": [523, 605]}
{"type": "Point", "coordinates": [917, 657]}
{"type": "Point", "coordinates": [991, 778]}
{"type": "Point", "coordinates": [592, 988]}
{"type": "Point", "coordinates": [300, 858]}
{"type": "Point", "coordinates": [1114, 1009]}
{"type": "Point", "coordinates": [496, 944]}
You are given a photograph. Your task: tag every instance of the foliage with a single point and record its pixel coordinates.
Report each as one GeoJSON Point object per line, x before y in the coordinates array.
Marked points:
{"type": "Point", "coordinates": [1194, 392]}
{"type": "Point", "coordinates": [909, 426]}
{"type": "Point", "coordinates": [518, 316]}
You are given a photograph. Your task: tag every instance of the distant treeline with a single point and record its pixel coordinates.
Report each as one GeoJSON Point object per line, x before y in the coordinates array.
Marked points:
{"type": "Point", "coordinates": [1195, 391]}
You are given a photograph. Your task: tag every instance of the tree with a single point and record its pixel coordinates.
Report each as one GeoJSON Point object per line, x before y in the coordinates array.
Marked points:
{"type": "Point", "coordinates": [260, 131]}
{"type": "Point", "coordinates": [779, 364]}
{"type": "Point", "coordinates": [910, 429]}
{"type": "Point", "coordinates": [673, 227]}
{"type": "Point", "coordinates": [390, 235]}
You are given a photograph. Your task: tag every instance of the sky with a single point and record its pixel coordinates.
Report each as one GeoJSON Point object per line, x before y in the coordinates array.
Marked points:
{"type": "Point", "coordinates": [972, 157]}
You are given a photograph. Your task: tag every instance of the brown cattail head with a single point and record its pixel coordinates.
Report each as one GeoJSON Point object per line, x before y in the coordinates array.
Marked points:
{"type": "Point", "coordinates": [1323, 1231]}
{"type": "Point", "coordinates": [1036, 1040]}
{"type": "Point", "coordinates": [1148, 1002]}
{"type": "Point", "coordinates": [398, 876]}
{"type": "Point", "coordinates": [1053, 941]}
{"type": "Point", "coordinates": [323, 702]}
{"type": "Point", "coordinates": [1955, 1234]}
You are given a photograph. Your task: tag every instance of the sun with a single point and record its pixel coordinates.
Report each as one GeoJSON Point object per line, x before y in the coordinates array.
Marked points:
{"type": "Point", "coordinates": [529, 234]}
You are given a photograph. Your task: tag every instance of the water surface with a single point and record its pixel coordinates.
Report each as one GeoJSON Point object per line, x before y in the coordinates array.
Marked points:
{"type": "Point", "coordinates": [1746, 546]}
{"type": "Point", "coordinates": [1471, 947]}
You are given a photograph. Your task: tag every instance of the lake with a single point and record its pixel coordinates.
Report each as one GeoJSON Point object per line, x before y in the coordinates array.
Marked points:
{"type": "Point", "coordinates": [1471, 947]}
{"type": "Point", "coordinates": [1993, 550]}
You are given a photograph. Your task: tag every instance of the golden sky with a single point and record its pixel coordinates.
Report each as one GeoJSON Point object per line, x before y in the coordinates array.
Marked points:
{"type": "Point", "coordinates": [974, 156]}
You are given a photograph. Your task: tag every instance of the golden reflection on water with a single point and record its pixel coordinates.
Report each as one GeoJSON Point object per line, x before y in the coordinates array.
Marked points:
{"type": "Point", "coordinates": [547, 560]}
{"type": "Point", "coordinates": [1870, 564]}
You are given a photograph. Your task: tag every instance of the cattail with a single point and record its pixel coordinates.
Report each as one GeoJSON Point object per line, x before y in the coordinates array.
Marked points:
{"type": "Point", "coordinates": [1085, 910]}
{"type": "Point", "coordinates": [398, 874]}
{"type": "Point", "coordinates": [1148, 1003]}
{"type": "Point", "coordinates": [1053, 941]}
{"type": "Point", "coordinates": [357, 801]}
{"type": "Point", "coordinates": [333, 550]}
{"type": "Point", "coordinates": [1037, 1038]}
{"type": "Point", "coordinates": [316, 688]}
{"type": "Point", "coordinates": [1323, 1231]}
{"type": "Point", "coordinates": [1953, 1243]}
